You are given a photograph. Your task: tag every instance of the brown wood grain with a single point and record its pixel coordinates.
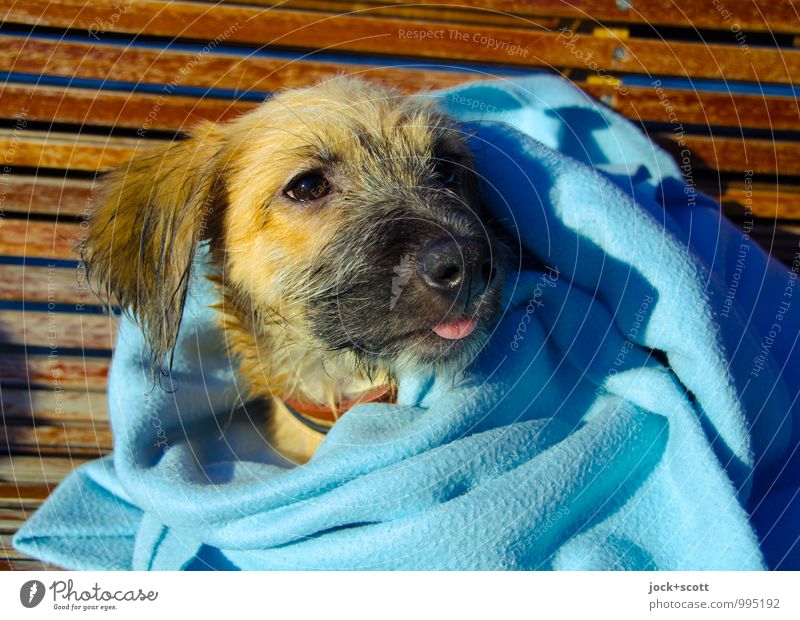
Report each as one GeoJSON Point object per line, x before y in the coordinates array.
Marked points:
{"type": "Point", "coordinates": [22, 469]}
{"type": "Point", "coordinates": [26, 564]}
{"type": "Point", "coordinates": [784, 205]}
{"type": "Point", "coordinates": [53, 406]}
{"type": "Point", "coordinates": [180, 68]}
{"type": "Point", "coordinates": [49, 372]}
{"type": "Point", "coordinates": [38, 149]}
{"type": "Point", "coordinates": [119, 109]}
{"type": "Point", "coordinates": [63, 440]}
{"type": "Point", "coordinates": [130, 110]}
{"type": "Point", "coordinates": [57, 329]}
{"type": "Point", "coordinates": [10, 519]}
{"type": "Point", "coordinates": [766, 15]}
{"type": "Point", "coordinates": [42, 194]}
{"type": "Point", "coordinates": [57, 240]}
{"type": "Point", "coordinates": [760, 199]}
{"type": "Point", "coordinates": [686, 107]}
{"type": "Point", "coordinates": [46, 285]}
{"type": "Point", "coordinates": [380, 35]}
{"type": "Point", "coordinates": [729, 154]}
{"type": "Point", "coordinates": [25, 495]}
{"type": "Point", "coordinates": [464, 12]}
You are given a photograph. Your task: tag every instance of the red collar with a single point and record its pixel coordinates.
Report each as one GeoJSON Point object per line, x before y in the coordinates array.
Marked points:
{"type": "Point", "coordinates": [326, 413]}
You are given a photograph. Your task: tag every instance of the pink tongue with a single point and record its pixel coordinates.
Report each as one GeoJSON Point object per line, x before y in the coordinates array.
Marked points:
{"type": "Point", "coordinates": [455, 330]}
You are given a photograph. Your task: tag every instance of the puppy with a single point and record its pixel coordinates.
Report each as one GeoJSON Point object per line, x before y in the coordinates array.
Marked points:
{"type": "Point", "coordinates": [348, 240]}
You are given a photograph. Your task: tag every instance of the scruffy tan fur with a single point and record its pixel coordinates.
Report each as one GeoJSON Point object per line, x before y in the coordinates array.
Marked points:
{"type": "Point", "coordinates": [224, 184]}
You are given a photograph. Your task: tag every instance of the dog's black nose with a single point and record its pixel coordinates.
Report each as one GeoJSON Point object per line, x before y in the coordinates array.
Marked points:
{"type": "Point", "coordinates": [459, 267]}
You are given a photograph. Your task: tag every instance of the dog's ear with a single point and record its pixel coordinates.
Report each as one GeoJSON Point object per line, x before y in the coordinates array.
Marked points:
{"type": "Point", "coordinates": [145, 227]}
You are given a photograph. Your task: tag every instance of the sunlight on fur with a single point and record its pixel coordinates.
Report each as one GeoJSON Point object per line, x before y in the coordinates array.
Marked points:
{"type": "Point", "coordinates": [312, 205]}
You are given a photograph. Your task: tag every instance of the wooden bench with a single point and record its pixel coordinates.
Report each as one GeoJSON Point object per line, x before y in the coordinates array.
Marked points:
{"type": "Point", "coordinates": [88, 82]}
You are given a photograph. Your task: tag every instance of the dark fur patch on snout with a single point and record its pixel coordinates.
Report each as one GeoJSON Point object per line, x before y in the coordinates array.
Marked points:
{"type": "Point", "coordinates": [374, 302]}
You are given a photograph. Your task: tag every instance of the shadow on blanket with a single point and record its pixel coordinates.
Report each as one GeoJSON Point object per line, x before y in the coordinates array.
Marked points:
{"type": "Point", "coordinates": [633, 407]}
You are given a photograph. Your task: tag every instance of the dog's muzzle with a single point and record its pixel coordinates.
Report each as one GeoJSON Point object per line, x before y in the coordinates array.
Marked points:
{"type": "Point", "coordinates": [458, 268]}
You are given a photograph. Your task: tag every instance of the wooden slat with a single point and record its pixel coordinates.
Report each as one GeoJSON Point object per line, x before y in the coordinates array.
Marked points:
{"type": "Point", "coordinates": [46, 285]}
{"type": "Point", "coordinates": [61, 440]}
{"type": "Point", "coordinates": [48, 240]}
{"type": "Point", "coordinates": [60, 330]}
{"type": "Point", "coordinates": [143, 65]}
{"type": "Point", "coordinates": [735, 155]}
{"type": "Point", "coordinates": [48, 195]}
{"type": "Point", "coordinates": [761, 199]}
{"type": "Point", "coordinates": [119, 109]}
{"type": "Point", "coordinates": [42, 371]}
{"type": "Point", "coordinates": [433, 12]}
{"type": "Point", "coordinates": [26, 564]}
{"type": "Point", "coordinates": [130, 110]}
{"type": "Point", "coordinates": [378, 35]}
{"type": "Point", "coordinates": [52, 406]}
{"type": "Point", "coordinates": [701, 108]}
{"type": "Point", "coordinates": [694, 60]}
{"type": "Point", "coordinates": [7, 549]}
{"type": "Point", "coordinates": [767, 15]}
{"type": "Point", "coordinates": [23, 495]}
{"type": "Point", "coordinates": [38, 149]}
{"type": "Point", "coordinates": [21, 469]}
{"type": "Point", "coordinates": [10, 520]}
{"type": "Point", "coordinates": [764, 204]}
{"type": "Point", "coordinates": [57, 240]}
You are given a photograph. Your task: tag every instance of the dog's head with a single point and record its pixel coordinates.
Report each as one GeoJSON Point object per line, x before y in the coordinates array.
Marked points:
{"type": "Point", "coordinates": [343, 213]}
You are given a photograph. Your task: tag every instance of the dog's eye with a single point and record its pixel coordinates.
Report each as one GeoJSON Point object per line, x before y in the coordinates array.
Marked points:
{"type": "Point", "coordinates": [309, 187]}
{"type": "Point", "coordinates": [447, 171]}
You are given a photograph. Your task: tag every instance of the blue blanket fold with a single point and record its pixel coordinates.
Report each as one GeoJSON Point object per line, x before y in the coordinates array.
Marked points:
{"type": "Point", "coordinates": [636, 407]}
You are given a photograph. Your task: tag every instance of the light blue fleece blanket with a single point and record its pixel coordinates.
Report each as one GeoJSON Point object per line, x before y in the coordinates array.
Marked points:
{"type": "Point", "coordinates": [633, 410]}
